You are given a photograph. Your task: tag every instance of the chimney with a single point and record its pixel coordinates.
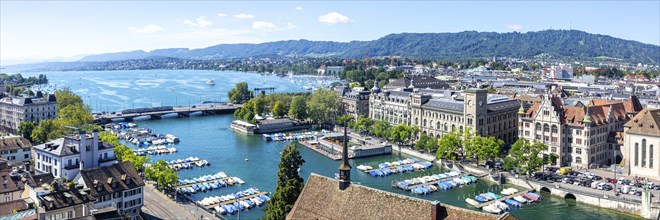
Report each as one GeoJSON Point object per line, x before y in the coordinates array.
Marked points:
{"type": "Point", "coordinates": [437, 211]}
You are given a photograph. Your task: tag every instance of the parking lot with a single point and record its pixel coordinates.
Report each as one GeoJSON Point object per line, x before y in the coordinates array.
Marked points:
{"type": "Point", "coordinates": [590, 183]}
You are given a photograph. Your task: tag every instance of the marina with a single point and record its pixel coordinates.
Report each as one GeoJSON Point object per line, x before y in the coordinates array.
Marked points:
{"type": "Point", "coordinates": [444, 181]}
{"type": "Point", "coordinates": [207, 182]}
{"type": "Point", "coordinates": [246, 199]}
{"type": "Point", "coordinates": [154, 150]}
{"type": "Point", "coordinates": [389, 168]}
{"type": "Point", "coordinates": [487, 199]}
{"type": "Point", "coordinates": [187, 163]}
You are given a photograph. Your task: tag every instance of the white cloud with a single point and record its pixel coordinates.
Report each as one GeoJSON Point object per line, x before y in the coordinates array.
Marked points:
{"type": "Point", "coordinates": [514, 27]}
{"type": "Point", "coordinates": [199, 22]}
{"type": "Point", "coordinates": [290, 26]}
{"type": "Point", "coordinates": [334, 18]}
{"type": "Point", "coordinates": [222, 15]}
{"type": "Point", "coordinates": [244, 16]}
{"type": "Point", "coordinates": [150, 28]}
{"type": "Point", "coordinates": [299, 8]}
{"type": "Point", "coordinates": [263, 26]}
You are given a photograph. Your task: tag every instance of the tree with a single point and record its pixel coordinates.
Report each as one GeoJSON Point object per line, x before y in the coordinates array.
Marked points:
{"type": "Point", "coordinates": [240, 93]}
{"type": "Point", "coordinates": [25, 129]}
{"type": "Point", "coordinates": [488, 148]}
{"type": "Point", "coordinates": [363, 123]}
{"type": "Point", "coordinates": [43, 130]}
{"type": "Point", "coordinates": [65, 97]}
{"type": "Point", "coordinates": [323, 105]}
{"type": "Point", "coordinates": [426, 143]}
{"type": "Point", "coordinates": [448, 147]}
{"type": "Point", "coordinates": [344, 119]}
{"type": "Point", "coordinates": [278, 109]}
{"type": "Point", "coordinates": [381, 129]}
{"type": "Point", "coordinates": [260, 105]}
{"type": "Point", "coordinates": [164, 176]}
{"type": "Point", "coordinates": [298, 108]}
{"type": "Point", "coordinates": [289, 184]}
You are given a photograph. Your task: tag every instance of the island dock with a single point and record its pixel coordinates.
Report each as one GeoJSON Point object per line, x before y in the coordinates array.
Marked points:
{"type": "Point", "coordinates": [481, 205]}
{"type": "Point", "coordinates": [235, 200]}
{"type": "Point", "coordinates": [209, 181]}
{"type": "Point", "coordinates": [179, 111]}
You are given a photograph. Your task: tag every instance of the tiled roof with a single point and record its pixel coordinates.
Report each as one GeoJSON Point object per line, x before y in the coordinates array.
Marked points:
{"type": "Point", "coordinates": [574, 114]}
{"type": "Point", "coordinates": [9, 207]}
{"type": "Point", "coordinates": [12, 143]}
{"type": "Point", "coordinates": [64, 198]}
{"type": "Point", "coordinates": [322, 199]}
{"type": "Point", "coordinates": [104, 177]}
{"type": "Point", "coordinates": [8, 185]}
{"type": "Point", "coordinates": [646, 122]}
{"type": "Point", "coordinates": [632, 104]}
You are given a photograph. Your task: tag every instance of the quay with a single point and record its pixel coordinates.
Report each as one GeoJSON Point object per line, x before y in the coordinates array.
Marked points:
{"type": "Point", "coordinates": [481, 205]}
{"type": "Point", "coordinates": [235, 200]}
{"type": "Point", "coordinates": [158, 112]}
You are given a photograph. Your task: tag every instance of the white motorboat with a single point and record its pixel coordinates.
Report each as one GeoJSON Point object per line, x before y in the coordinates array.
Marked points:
{"type": "Point", "coordinates": [210, 82]}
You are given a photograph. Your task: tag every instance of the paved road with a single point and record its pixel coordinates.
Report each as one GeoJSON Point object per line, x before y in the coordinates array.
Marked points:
{"type": "Point", "coordinates": [159, 206]}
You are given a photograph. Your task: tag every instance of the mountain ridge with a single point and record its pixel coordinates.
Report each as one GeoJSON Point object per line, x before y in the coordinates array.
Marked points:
{"type": "Point", "coordinates": [459, 45]}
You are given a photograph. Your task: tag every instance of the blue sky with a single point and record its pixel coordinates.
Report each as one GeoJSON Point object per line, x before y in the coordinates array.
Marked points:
{"type": "Point", "coordinates": [42, 30]}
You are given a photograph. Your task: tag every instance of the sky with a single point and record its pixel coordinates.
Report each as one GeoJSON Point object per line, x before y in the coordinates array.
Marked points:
{"type": "Point", "coordinates": [33, 31]}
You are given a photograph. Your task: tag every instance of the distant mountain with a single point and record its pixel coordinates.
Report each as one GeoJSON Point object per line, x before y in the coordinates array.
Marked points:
{"type": "Point", "coordinates": [463, 45]}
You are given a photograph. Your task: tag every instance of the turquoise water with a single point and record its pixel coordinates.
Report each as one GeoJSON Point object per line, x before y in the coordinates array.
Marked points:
{"type": "Point", "coordinates": [209, 137]}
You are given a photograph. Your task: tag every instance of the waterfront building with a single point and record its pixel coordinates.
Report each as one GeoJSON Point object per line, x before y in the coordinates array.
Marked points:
{"type": "Point", "coordinates": [63, 202]}
{"type": "Point", "coordinates": [14, 110]}
{"type": "Point", "coordinates": [330, 70]}
{"type": "Point", "coordinates": [438, 112]}
{"type": "Point", "coordinates": [242, 126]}
{"type": "Point", "coordinates": [65, 157]}
{"type": "Point", "coordinates": [117, 186]}
{"type": "Point", "coordinates": [17, 150]}
{"type": "Point", "coordinates": [360, 146]}
{"type": "Point", "coordinates": [582, 133]}
{"type": "Point", "coordinates": [356, 102]}
{"type": "Point", "coordinates": [641, 142]}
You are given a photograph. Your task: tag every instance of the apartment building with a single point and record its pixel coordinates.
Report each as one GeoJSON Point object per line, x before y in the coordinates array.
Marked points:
{"type": "Point", "coordinates": [14, 110]}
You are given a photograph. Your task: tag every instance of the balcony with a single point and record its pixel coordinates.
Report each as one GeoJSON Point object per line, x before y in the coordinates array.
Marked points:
{"type": "Point", "coordinates": [72, 166]}
{"type": "Point", "coordinates": [103, 160]}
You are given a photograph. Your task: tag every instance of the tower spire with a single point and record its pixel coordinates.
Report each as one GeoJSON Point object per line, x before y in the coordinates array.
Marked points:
{"type": "Point", "coordinates": [587, 118]}
{"type": "Point", "coordinates": [344, 167]}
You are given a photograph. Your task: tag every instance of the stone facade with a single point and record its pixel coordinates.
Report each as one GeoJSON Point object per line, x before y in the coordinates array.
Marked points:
{"type": "Point", "coordinates": [14, 110]}
{"type": "Point", "coordinates": [641, 142]}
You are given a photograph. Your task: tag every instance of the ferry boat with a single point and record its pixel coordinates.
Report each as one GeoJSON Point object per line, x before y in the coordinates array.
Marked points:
{"type": "Point", "coordinates": [210, 83]}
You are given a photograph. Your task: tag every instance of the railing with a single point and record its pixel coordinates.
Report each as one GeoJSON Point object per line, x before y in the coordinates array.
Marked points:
{"type": "Point", "coordinates": [102, 160]}
{"type": "Point", "coordinates": [597, 195]}
{"type": "Point", "coordinates": [72, 166]}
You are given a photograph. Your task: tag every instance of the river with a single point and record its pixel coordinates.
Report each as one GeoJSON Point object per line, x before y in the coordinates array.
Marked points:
{"type": "Point", "coordinates": [209, 137]}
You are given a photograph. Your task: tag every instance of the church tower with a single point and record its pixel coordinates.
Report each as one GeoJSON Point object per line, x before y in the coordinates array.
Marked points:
{"type": "Point", "coordinates": [344, 168]}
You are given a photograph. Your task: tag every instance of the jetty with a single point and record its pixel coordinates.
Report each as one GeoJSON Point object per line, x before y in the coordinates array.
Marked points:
{"type": "Point", "coordinates": [158, 112]}
{"type": "Point", "coordinates": [481, 205]}
{"type": "Point", "coordinates": [229, 183]}
{"type": "Point", "coordinates": [426, 180]}
{"type": "Point", "coordinates": [235, 200]}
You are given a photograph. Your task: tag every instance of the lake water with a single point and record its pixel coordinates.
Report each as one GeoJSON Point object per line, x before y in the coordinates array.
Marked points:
{"type": "Point", "coordinates": [210, 138]}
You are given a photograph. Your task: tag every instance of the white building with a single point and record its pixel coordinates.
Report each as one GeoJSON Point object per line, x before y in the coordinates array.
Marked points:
{"type": "Point", "coordinates": [16, 149]}
{"type": "Point", "coordinates": [118, 185]}
{"type": "Point", "coordinates": [14, 110]}
{"type": "Point", "coordinates": [563, 71]}
{"type": "Point", "coordinates": [641, 142]}
{"type": "Point", "coordinates": [65, 157]}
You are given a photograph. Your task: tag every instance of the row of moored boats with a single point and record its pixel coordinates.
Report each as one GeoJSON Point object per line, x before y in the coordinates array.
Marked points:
{"type": "Point", "coordinates": [503, 204]}
{"type": "Point", "coordinates": [187, 163]}
{"type": "Point", "coordinates": [154, 150]}
{"type": "Point", "coordinates": [389, 168]}
{"type": "Point", "coordinates": [235, 201]}
{"type": "Point", "coordinates": [207, 182]}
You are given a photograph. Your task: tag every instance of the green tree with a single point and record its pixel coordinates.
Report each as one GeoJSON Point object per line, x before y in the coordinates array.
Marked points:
{"type": "Point", "coordinates": [289, 184]}
{"type": "Point", "coordinates": [323, 105]}
{"type": "Point", "coordinates": [449, 146]}
{"type": "Point", "coordinates": [240, 93]}
{"type": "Point", "coordinates": [298, 108]}
{"type": "Point", "coordinates": [426, 143]}
{"type": "Point", "coordinates": [279, 109]}
{"type": "Point", "coordinates": [45, 128]}
{"type": "Point", "coordinates": [363, 123]}
{"type": "Point", "coordinates": [381, 129]}
{"type": "Point", "coordinates": [260, 105]}
{"type": "Point", "coordinates": [164, 176]}
{"type": "Point", "coordinates": [488, 148]}
{"type": "Point", "coordinates": [343, 119]}
{"type": "Point", "coordinates": [65, 97]}
{"type": "Point", "coordinates": [25, 129]}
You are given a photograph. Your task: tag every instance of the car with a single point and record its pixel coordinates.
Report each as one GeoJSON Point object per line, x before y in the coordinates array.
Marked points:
{"type": "Point", "coordinates": [600, 186]}
{"type": "Point", "coordinates": [656, 187]}
{"type": "Point", "coordinates": [598, 178]}
{"type": "Point", "coordinates": [612, 180]}
{"type": "Point", "coordinates": [607, 187]}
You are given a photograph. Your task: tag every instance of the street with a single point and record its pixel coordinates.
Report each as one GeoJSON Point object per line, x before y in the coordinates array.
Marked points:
{"type": "Point", "coordinates": [159, 206]}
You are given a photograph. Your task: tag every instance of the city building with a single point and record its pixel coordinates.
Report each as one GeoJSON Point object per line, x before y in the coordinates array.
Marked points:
{"type": "Point", "coordinates": [641, 142]}
{"type": "Point", "coordinates": [438, 112]}
{"type": "Point", "coordinates": [14, 110]}
{"type": "Point", "coordinates": [63, 202]}
{"type": "Point", "coordinates": [417, 81]}
{"type": "Point", "coordinates": [65, 157]}
{"type": "Point", "coordinates": [581, 134]}
{"type": "Point", "coordinates": [330, 70]}
{"type": "Point", "coordinates": [118, 185]}
{"type": "Point", "coordinates": [562, 71]}
{"type": "Point", "coordinates": [356, 102]}
{"type": "Point", "coordinates": [16, 149]}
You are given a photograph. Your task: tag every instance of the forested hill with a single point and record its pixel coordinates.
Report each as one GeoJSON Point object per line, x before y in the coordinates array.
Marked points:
{"type": "Point", "coordinates": [448, 46]}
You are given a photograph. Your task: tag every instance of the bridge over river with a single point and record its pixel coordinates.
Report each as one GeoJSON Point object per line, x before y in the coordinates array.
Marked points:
{"type": "Point", "coordinates": [179, 111]}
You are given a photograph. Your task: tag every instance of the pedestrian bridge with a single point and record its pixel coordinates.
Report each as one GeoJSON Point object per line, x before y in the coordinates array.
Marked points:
{"type": "Point", "coordinates": [179, 111]}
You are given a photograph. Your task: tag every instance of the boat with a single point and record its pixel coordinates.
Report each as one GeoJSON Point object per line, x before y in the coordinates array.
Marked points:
{"type": "Point", "coordinates": [535, 195]}
{"type": "Point", "coordinates": [520, 199]}
{"type": "Point", "coordinates": [480, 199]}
{"type": "Point", "coordinates": [492, 208]}
{"type": "Point", "coordinates": [501, 205]}
{"type": "Point", "coordinates": [512, 202]}
{"type": "Point", "coordinates": [471, 202]}
{"type": "Point", "coordinates": [210, 83]}
{"type": "Point", "coordinates": [531, 197]}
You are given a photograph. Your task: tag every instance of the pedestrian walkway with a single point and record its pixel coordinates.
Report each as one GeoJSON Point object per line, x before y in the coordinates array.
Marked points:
{"type": "Point", "coordinates": [160, 206]}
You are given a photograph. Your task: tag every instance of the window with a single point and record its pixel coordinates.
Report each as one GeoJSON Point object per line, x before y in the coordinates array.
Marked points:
{"type": "Point", "coordinates": [554, 139]}
{"type": "Point", "coordinates": [578, 150]}
{"type": "Point", "coordinates": [527, 124]}
{"type": "Point", "coordinates": [554, 149]}
{"type": "Point", "coordinates": [636, 154]}
{"type": "Point", "coordinates": [578, 141]}
{"type": "Point", "coordinates": [554, 129]}
{"type": "Point", "coordinates": [526, 133]}
{"type": "Point", "coordinates": [538, 126]}
{"type": "Point", "coordinates": [26, 156]}
{"type": "Point", "coordinates": [643, 152]}
{"type": "Point", "coordinates": [570, 140]}
{"type": "Point", "coordinates": [578, 132]}
{"type": "Point", "coordinates": [651, 156]}
{"type": "Point", "coordinates": [546, 128]}
{"type": "Point", "coordinates": [578, 159]}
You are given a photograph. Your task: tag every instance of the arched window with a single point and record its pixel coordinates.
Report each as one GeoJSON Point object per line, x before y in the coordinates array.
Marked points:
{"type": "Point", "coordinates": [636, 154]}
{"type": "Point", "coordinates": [424, 123]}
{"type": "Point", "coordinates": [554, 129]}
{"type": "Point", "coordinates": [593, 160]}
{"type": "Point", "coordinates": [453, 128]}
{"type": "Point", "coordinates": [643, 152]}
{"type": "Point", "coordinates": [437, 125]}
{"type": "Point", "coordinates": [578, 160]}
{"type": "Point", "coordinates": [538, 126]}
{"type": "Point", "coordinates": [445, 128]}
{"type": "Point", "coordinates": [651, 156]}
{"type": "Point", "coordinates": [546, 128]}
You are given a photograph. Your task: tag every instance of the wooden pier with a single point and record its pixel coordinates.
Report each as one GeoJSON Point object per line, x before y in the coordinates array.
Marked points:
{"type": "Point", "coordinates": [481, 205]}
{"type": "Point", "coordinates": [179, 111]}
{"type": "Point", "coordinates": [234, 200]}
{"type": "Point", "coordinates": [209, 181]}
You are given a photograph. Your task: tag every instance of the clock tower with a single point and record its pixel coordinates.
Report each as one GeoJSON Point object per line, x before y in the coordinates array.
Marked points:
{"type": "Point", "coordinates": [475, 109]}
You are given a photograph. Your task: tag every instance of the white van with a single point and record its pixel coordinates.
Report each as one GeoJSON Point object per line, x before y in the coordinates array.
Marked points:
{"type": "Point", "coordinates": [626, 189]}
{"type": "Point", "coordinates": [594, 184]}
{"type": "Point", "coordinates": [600, 186]}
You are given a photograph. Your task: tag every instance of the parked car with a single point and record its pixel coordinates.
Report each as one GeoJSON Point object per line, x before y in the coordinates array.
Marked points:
{"type": "Point", "coordinates": [625, 189]}
{"type": "Point", "coordinates": [600, 186]}
{"type": "Point", "coordinates": [612, 180]}
{"type": "Point", "coordinates": [594, 185]}
{"type": "Point", "coordinates": [607, 187]}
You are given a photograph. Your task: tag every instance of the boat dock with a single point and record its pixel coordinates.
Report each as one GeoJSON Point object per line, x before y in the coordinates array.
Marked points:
{"type": "Point", "coordinates": [208, 181]}
{"type": "Point", "coordinates": [393, 168]}
{"type": "Point", "coordinates": [235, 200]}
{"type": "Point", "coordinates": [434, 182]}
{"type": "Point", "coordinates": [481, 205]}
